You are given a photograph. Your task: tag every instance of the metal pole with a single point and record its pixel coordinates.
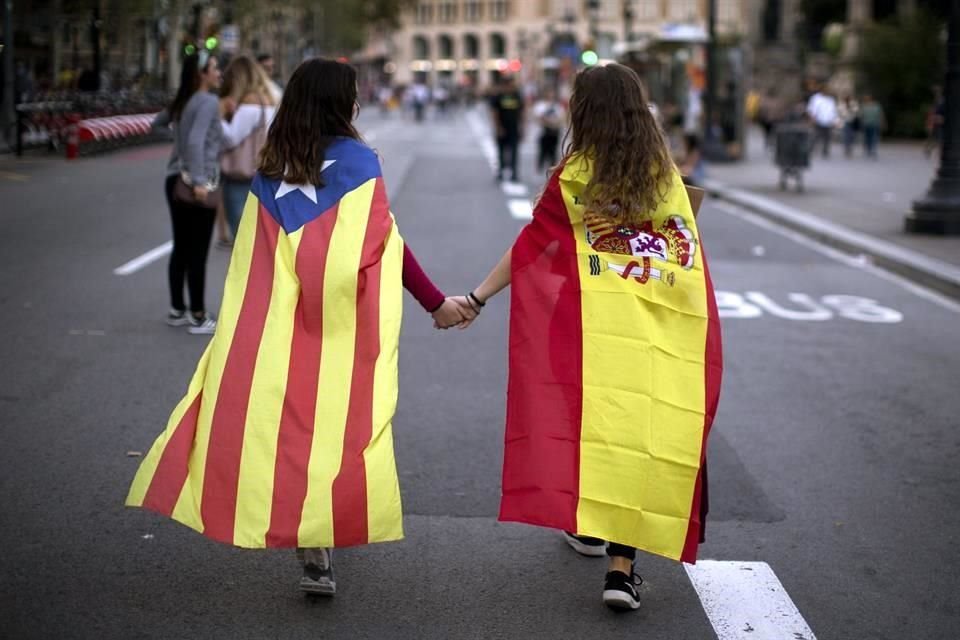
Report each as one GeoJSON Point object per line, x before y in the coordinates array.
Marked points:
{"type": "Point", "coordinates": [7, 114]}
{"type": "Point", "coordinates": [628, 22]}
{"type": "Point", "coordinates": [709, 100]}
{"type": "Point", "coordinates": [939, 211]}
{"type": "Point", "coordinates": [95, 42]}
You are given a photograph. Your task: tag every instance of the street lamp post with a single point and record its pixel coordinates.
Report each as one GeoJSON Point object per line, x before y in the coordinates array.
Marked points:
{"type": "Point", "coordinates": [939, 210]}
{"type": "Point", "coordinates": [712, 148]}
{"type": "Point", "coordinates": [8, 116]}
{"type": "Point", "coordinates": [628, 23]}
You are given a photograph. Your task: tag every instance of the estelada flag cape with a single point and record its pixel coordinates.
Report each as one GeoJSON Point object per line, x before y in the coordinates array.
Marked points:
{"type": "Point", "coordinates": [615, 366]}
{"type": "Point", "coordinates": [284, 437]}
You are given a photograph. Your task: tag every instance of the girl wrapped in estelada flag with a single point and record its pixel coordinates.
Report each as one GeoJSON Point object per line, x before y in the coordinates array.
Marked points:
{"type": "Point", "coordinates": [284, 437]}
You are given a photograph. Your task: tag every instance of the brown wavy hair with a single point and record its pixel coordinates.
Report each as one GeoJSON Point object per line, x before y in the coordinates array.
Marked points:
{"type": "Point", "coordinates": [244, 78]}
{"type": "Point", "coordinates": [612, 125]}
{"type": "Point", "coordinates": [317, 108]}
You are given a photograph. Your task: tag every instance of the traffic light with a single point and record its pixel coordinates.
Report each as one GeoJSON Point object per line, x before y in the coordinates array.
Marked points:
{"type": "Point", "coordinates": [189, 49]}
{"type": "Point", "coordinates": [211, 43]}
{"type": "Point", "coordinates": [589, 57]}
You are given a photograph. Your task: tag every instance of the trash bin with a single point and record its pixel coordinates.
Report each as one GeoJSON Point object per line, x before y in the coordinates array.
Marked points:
{"type": "Point", "coordinates": [792, 153]}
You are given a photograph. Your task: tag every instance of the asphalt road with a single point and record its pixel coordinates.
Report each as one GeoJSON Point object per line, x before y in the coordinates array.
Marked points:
{"type": "Point", "coordinates": [832, 459]}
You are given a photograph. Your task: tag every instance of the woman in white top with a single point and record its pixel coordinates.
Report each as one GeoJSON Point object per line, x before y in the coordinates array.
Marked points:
{"type": "Point", "coordinates": [248, 107]}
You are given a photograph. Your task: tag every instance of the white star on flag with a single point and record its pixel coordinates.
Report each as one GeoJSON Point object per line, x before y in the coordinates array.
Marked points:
{"type": "Point", "coordinates": [308, 190]}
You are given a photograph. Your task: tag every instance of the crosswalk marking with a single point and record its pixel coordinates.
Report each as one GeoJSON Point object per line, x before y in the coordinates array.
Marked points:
{"type": "Point", "coordinates": [746, 601]}
{"type": "Point", "coordinates": [141, 261]}
{"type": "Point", "coordinates": [520, 209]}
{"type": "Point", "coordinates": [515, 189]}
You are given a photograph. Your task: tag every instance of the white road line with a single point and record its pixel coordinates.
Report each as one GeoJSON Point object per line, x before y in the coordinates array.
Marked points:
{"type": "Point", "coordinates": [520, 209]}
{"type": "Point", "coordinates": [140, 262]}
{"type": "Point", "coordinates": [515, 189]}
{"type": "Point", "coordinates": [861, 262]}
{"type": "Point", "coordinates": [745, 601]}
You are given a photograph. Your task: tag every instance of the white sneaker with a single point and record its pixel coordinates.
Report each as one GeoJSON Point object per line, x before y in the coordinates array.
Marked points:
{"type": "Point", "coordinates": [177, 318]}
{"type": "Point", "coordinates": [207, 325]}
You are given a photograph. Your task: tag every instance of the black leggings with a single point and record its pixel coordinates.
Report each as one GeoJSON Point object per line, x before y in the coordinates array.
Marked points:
{"type": "Point", "coordinates": [508, 152]}
{"type": "Point", "coordinates": [614, 550]}
{"type": "Point", "coordinates": [192, 230]}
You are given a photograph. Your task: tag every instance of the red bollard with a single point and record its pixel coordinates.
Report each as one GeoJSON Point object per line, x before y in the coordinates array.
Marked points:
{"type": "Point", "coordinates": [73, 137]}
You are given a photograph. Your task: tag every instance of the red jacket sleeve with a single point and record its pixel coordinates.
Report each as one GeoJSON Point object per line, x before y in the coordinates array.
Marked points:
{"type": "Point", "coordinates": [418, 284]}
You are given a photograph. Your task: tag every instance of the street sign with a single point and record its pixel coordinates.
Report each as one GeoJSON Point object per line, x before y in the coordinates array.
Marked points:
{"type": "Point", "coordinates": [229, 38]}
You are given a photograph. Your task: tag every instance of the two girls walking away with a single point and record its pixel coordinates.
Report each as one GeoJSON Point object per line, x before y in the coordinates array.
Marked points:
{"type": "Point", "coordinates": [614, 360]}
{"type": "Point", "coordinates": [193, 187]}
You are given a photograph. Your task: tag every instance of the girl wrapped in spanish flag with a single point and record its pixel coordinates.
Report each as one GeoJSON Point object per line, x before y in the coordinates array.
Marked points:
{"type": "Point", "coordinates": [615, 358]}
{"type": "Point", "coordinates": [284, 436]}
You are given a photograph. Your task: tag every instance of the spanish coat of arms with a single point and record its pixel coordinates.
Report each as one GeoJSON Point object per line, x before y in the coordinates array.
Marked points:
{"type": "Point", "coordinates": [645, 245]}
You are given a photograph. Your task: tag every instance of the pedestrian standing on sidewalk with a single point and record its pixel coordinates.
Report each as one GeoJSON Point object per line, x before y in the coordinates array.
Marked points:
{"type": "Point", "coordinates": [248, 107]}
{"type": "Point", "coordinates": [849, 112]}
{"type": "Point", "coordinates": [822, 109]}
{"type": "Point", "coordinates": [257, 454]}
{"type": "Point", "coordinates": [552, 116]}
{"type": "Point", "coordinates": [506, 107]}
{"type": "Point", "coordinates": [692, 168]}
{"type": "Point", "coordinates": [874, 121]}
{"type": "Point", "coordinates": [195, 160]}
{"type": "Point", "coordinates": [615, 357]}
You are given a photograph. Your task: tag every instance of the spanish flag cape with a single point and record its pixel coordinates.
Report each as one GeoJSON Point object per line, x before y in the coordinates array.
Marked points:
{"type": "Point", "coordinates": [284, 437]}
{"type": "Point", "coordinates": [615, 368]}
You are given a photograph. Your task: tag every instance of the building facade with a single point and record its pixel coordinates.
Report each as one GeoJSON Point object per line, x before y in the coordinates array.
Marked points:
{"type": "Point", "coordinates": [471, 42]}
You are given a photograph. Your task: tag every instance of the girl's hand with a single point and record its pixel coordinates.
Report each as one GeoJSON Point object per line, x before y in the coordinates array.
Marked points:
{"type": "Point", "coordinates": [448, 315]}
{"type": "Point", "coordinates": [200, 193]}
{"type": "Point", "coordinates": [467, 309]}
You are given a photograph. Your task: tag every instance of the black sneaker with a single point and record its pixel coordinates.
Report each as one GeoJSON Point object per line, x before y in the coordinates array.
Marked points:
{"type": "Point", "coordinates": [586, 546]}
{"type": "Point", "coordinates": [620, 591]}
{"type": "Point", "coordinates": [177, 318]}
{"type": "Point", "coordinates": [318, 573]}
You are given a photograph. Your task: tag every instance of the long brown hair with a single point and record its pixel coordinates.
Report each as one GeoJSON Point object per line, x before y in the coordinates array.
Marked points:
{"type": "Point", "coordinates": [317, 108]}
{"type": "Point", "coordinates": [611, 125]}
{"type": "Point", "coordinates": [243, 78]}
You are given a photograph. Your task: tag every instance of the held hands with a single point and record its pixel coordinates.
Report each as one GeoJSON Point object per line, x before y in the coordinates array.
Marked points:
{"type": "Point", "coordinates": [200, 193]}
{"type": "Point", "coordinates": [456, 311]}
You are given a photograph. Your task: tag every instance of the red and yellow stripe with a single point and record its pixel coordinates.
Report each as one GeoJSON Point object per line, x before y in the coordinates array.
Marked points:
{"type": "Point", "coordinates": [613, 383]}
{"type": "Point", "coordinates": [284, 438]}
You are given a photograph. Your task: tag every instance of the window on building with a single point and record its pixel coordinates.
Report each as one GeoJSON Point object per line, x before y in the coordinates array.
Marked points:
{"type": "Point", "coordinates": [421, 48]}
{"type": "Point", "coordinates": [448, 11]}
{"type": "Point", "coordinates": [424, 13]}
{"type": "Point", "coordinates": [684, 10]}
{"type": "Point", "coordinates": [728, 11]}
{"type": "Point", "coordinates": [471, 46]}
{"type": "Point", "coordinates": [771, 21]}
{"type": "Point", "coordinates": [445, 47]}
{"type": "Point", "coordinates": [647, 9]}
{"type": "Point", "coordinates": [473, 11]}
{"type": "Point", "coordinates": [498, 46]}
{"type": "Point", "coordinates": [499, 10]}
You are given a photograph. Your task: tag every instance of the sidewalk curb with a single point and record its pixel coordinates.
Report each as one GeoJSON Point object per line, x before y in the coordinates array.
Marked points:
{"type": "Point", "coordinates": [929, 272]}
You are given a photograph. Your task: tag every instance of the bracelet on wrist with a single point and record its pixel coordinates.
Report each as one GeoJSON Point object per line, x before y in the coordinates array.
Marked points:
{"type": "Point", "coordinates": [473, 298]}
